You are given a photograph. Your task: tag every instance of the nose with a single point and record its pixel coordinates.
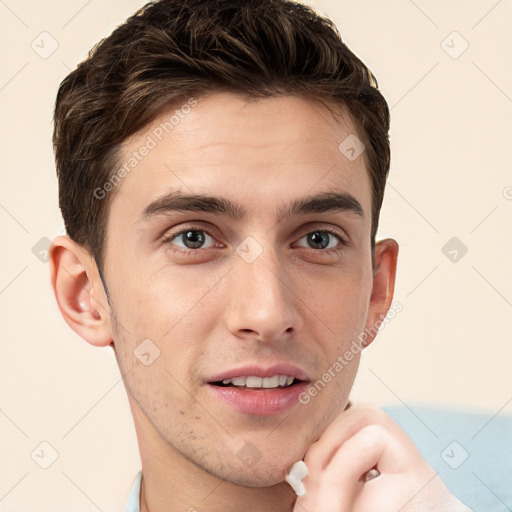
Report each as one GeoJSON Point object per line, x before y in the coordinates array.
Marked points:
{"type": "Point", "coordinates": [263, 303]}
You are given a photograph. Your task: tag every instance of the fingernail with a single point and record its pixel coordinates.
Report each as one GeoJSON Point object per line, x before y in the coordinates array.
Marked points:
{"type": "Point", "coordinates": [294, 478]}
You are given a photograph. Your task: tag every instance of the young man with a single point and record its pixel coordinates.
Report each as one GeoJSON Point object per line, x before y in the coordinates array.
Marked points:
{"type": "Point", "coordinates": [221, 170]}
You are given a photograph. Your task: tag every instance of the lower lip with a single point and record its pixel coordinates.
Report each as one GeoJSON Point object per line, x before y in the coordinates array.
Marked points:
{"type": "Point", "coordinates": [260, 402]}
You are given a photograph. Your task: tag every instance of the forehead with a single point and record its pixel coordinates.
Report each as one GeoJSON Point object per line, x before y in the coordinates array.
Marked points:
{"type": "Point", "coordinates": [260, 151]}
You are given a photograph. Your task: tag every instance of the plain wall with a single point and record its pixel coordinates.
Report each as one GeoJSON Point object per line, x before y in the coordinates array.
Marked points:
{"type": "Point", "coordinates": [450, 177]}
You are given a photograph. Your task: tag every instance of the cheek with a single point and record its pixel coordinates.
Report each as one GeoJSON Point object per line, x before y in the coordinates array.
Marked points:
{"type": "Point", "coordinates": [154, 303]}
{"type": "Point", "coordinates": [341, 313]}
{"type": "Point", "coordinates": [348, 278]}
{"type": "Point", "coordinates": [161, 318]}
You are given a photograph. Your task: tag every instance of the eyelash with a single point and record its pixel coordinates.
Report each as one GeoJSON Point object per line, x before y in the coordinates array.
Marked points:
{"type": "Point", "coordinates": [171, 237]}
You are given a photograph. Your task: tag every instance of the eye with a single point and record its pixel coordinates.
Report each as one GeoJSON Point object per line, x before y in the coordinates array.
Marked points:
{"type": "Point", "coordinates": [191, 239]}
{"type": "Point", "coordinates": [322, 239]}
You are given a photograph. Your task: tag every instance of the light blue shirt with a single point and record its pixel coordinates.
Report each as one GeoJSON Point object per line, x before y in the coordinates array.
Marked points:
{"type": "Point", "coordinates": [132, 505]}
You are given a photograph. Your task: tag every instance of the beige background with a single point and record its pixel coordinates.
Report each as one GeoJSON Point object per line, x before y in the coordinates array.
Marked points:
{"type": "Point", "coordinates": [451, 177]}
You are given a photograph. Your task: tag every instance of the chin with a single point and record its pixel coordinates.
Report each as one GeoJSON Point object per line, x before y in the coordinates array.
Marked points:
{"type": "Point", "coordinates": [259, 477]}
{"type": "Point", "coordinates": [266, 471]}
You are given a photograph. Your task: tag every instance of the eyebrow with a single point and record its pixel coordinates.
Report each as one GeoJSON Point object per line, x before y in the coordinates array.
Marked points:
{"type": "Point", "coordinates": [323, 202]}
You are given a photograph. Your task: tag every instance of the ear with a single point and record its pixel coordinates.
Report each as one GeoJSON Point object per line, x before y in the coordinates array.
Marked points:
{"type": "Point", "coordinates": [79, 291]}
{"type": "Point", "coordinates": [384, 274]}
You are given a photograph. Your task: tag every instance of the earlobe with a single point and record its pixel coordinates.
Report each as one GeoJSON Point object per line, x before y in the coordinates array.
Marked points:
{"type": "Point", "coordinates": [384, 275]}
{"type": "Point", "coordinates": [79, 291]}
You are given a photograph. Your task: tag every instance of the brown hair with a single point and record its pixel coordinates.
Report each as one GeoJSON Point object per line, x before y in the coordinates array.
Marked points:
{"type": "Point", "coordinates": [171, 50]}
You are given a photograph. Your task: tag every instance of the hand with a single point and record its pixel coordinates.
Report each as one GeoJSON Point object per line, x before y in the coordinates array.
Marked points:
{"type": "Point", "coordinates": [362, 438]}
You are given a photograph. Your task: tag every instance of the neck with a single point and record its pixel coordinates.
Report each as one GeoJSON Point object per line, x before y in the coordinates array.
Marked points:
{"type": "Point", "coordinates": [171, 500]}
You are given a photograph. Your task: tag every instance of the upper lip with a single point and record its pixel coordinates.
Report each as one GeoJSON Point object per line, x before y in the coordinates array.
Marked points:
{"type": "Point", "coordinates": [258, 370]}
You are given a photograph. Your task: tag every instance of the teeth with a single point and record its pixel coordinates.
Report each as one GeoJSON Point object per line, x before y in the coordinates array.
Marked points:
{"type": "Point", "coordinates": [271, 382]}
{"type": "Point", "coordinates": [259, 382]}
{"type": "Point", "coordinates": [253, 382]}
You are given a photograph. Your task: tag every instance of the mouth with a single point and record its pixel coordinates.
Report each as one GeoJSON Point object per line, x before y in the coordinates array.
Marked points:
{"type": "Point", "coordinates": [253, 382]}
{"type": "Point", "coordinates": [259, 391]}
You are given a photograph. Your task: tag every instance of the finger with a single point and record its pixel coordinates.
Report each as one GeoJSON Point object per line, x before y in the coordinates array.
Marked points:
{"type": "Point", "coordinates": [372, 447]}
{"type": "Point", "coordinates": [340, 482]}
{"type": "Point", "coordinates": [346, 425]}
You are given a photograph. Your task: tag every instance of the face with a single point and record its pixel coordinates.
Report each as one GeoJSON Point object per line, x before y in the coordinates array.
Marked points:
{"type": "Point", "coordinates": [269, 277]}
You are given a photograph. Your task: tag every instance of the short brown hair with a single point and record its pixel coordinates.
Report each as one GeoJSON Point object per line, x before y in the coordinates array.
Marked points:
{"type": "Point", "coordinates": [170, 50]}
